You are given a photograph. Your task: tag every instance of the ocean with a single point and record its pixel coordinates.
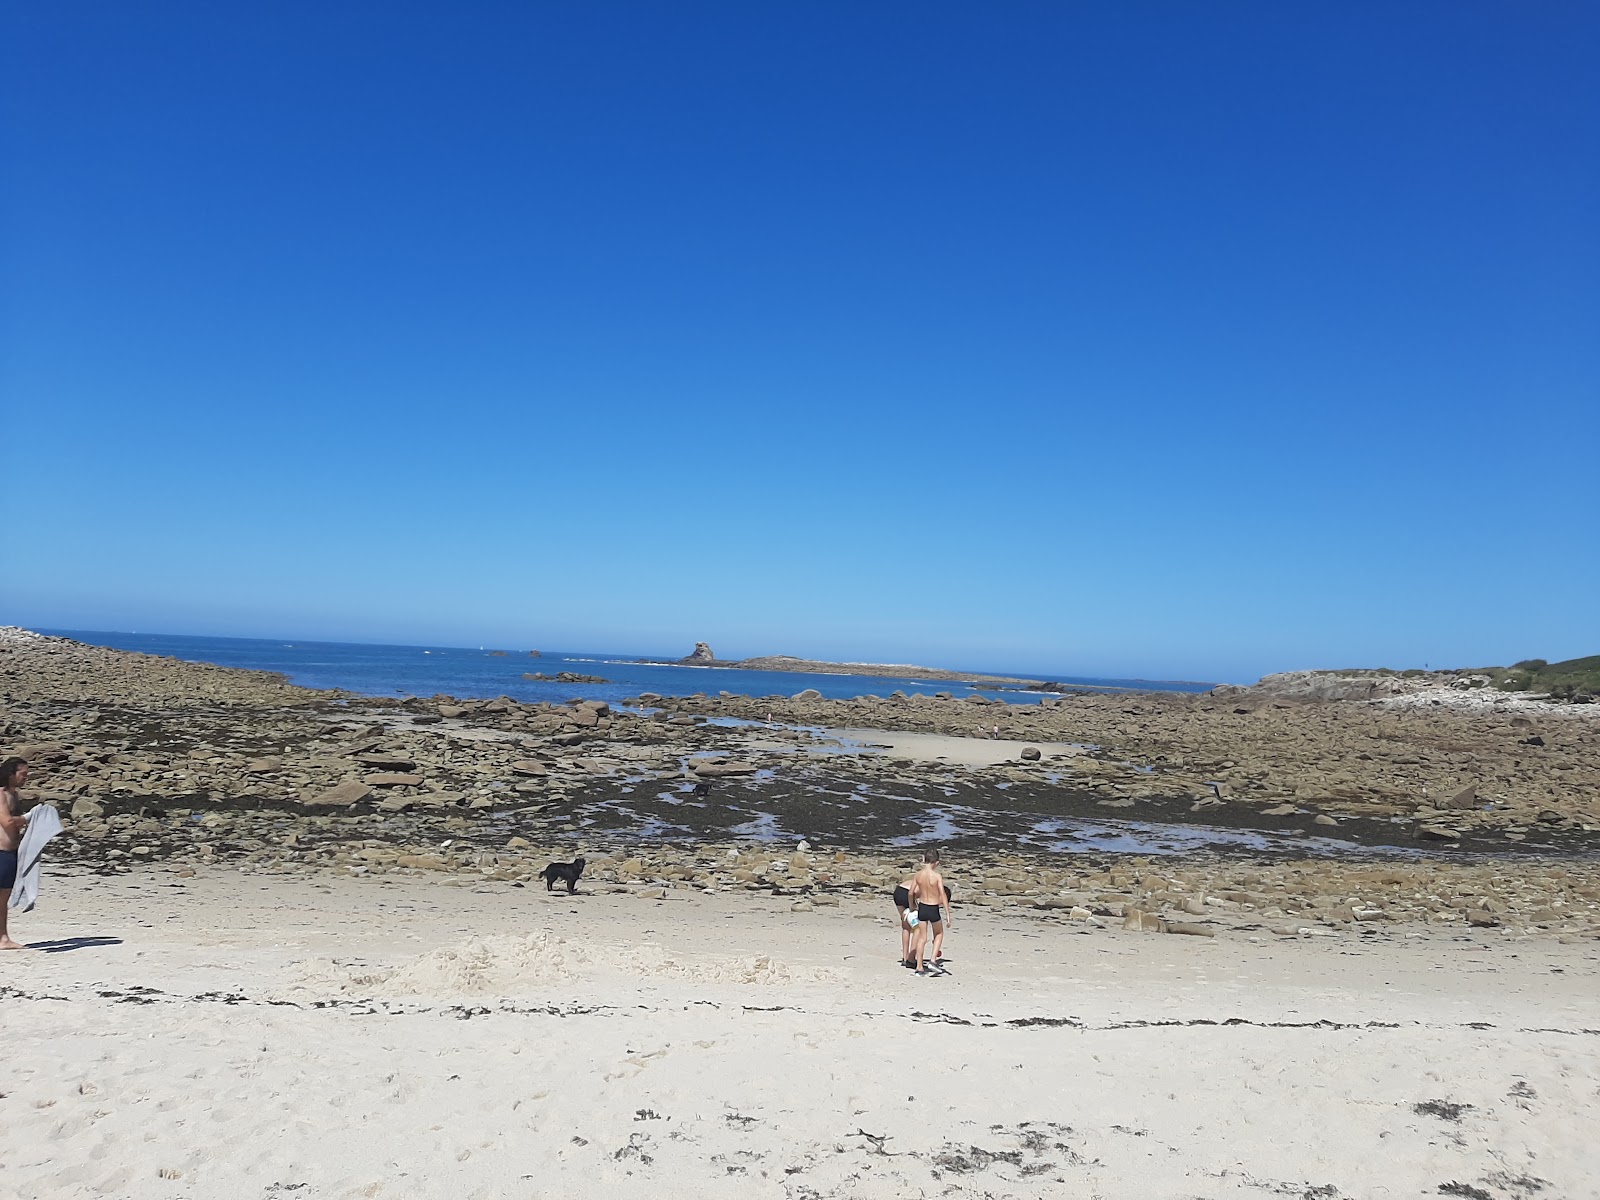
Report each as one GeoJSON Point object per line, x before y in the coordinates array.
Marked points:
{"type": "Point", "coordinates": [491, 671]}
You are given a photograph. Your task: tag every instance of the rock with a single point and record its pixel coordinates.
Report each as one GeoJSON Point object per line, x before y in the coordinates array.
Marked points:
{"type": "Point", "coordinates": [351, 791]}
{"type": "Point", "coordinates": [1439, 833]}
{"type": "Point", "coordinates": [1080, 913]}
{"type": "Point", "coordinates": [263, 766]}
{"type": "Point", "coordinates": [392, 779]}
{"type": "Point", "coordinates": [396, 803]}
{"type": "Point", "coordinates": [1280, 810]}
{"type": "Point", "coordinates": [1325, 819]}
{"type": "Point", "coordinates": [84, 808]}
{"type": "Point", "coordinates": [437, 799]}
{"type": "Point", "coordinates": [422, 862]}
{"type": "Point", "coordinates": [1031, 753]}
{"type": "Point", "coordinates": [1188, 927]}
{"type": "Point", "coordinates": [714, 767]}
{"type": "Point", "coordinates": [702, 655]}
{"type": "Point", "coordinates": [387, 760]}
{"type": "Point", "coordinates": [529, 766]}
{"type": "Point", "coordinates": [1318, 686]}
{"type": "Point", "coordinates": [1142, 921]}
{"type": "Point", "coordinates": [808, 694]}
{"type": "Point", "coordinates": [452, 710]}
{"type": "Point", "coordinates": [519, 843]}
{"type": "Point", "coordinates": [1482, 918]}
{"type": "Point", "coordinates": [1467, 797]}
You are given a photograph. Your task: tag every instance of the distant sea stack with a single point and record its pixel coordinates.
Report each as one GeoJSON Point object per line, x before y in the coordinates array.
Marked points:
{"type": "Point", "coordinates": [702, 657]}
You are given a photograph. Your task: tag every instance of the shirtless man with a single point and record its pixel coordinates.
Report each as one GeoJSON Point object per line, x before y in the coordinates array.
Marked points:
{"type": "Point", "coordinates": [927, 895]}
{"type": "Point", "coordinates": [13, 774]}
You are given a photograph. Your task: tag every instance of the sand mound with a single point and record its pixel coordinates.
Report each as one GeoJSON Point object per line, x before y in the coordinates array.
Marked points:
{"type": "Point", "coordinates": [477, 966]}
{"type": "Point", "coordinates": [512, 965]}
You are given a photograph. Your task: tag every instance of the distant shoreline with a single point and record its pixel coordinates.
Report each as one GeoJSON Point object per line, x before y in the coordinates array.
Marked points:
{"type": "Point", "coordinates": [808, 666]}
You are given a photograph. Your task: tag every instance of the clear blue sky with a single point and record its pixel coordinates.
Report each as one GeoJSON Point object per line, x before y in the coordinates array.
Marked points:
{"type": "Point", "coordinates": [1137, 339]}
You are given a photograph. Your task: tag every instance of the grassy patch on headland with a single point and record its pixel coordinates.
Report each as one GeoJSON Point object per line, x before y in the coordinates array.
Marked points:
{"type": "Point", "coordinates": [1573, 679]}
{"type": "Point", "coordinates": [1564, 680]}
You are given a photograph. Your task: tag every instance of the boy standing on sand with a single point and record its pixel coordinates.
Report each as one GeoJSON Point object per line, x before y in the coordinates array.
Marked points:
{"type": "Point", "coordinates": [927, 894]}
{"type": "Point", "coordinates": [13, 774]}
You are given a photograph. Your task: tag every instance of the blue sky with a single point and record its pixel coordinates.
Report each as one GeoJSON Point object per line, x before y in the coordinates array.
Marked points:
{"type": "Point", "coordinates": [1138, 339]}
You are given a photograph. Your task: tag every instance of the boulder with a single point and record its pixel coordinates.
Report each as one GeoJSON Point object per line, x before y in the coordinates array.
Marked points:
{"type": "Point", "coordinates": [351, 791]}
{"type": "Point", "coordinates": [1467, 797]}
{"type": "Point", "coordinates": [1031, 753]}
{"type": "Point", "coordinates": [713, 767]}
{"type": "Point", "coordinates": [702, 655]}
{"type": "Point", "coordinates": [387, 760]}
{"type": "Point", "coordinates": [808, 694]}
{"type": "Point", "coordinates": [392, 779]}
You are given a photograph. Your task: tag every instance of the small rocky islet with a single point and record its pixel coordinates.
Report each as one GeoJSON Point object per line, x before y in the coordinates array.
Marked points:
{"type": "Point", "coordinates": [1382, 810]}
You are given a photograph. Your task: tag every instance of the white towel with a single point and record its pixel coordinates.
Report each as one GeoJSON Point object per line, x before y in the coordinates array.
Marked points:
{"type": "Point", "coordinates": [44, 823]}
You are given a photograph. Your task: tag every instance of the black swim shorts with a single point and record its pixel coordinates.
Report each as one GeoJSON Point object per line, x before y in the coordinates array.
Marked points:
{"type": "Point", "coordinates": [8, 869]}
{"type": "Point", "coordinates": [902, 898]}
{"type": "Point", "coordinates": [929, 913]}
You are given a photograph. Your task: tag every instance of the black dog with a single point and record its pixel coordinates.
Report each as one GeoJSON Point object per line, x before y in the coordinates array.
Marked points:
{"type": "Point", "coordinates": [568, 871]}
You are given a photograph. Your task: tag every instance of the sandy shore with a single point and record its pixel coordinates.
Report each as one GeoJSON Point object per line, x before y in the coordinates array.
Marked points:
{"type": "Point", "coordinates": [227, 1034]}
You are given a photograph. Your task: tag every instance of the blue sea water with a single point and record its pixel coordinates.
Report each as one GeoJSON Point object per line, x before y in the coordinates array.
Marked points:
{"type": "Point", "coordinates": [456, 671]}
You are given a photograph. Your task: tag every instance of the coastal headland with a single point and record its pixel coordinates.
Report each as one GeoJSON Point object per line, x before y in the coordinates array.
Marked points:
{"type": "Point", "coordinates": [1190, 930]}
{"type": "Point", "coordinates": [704, 656]}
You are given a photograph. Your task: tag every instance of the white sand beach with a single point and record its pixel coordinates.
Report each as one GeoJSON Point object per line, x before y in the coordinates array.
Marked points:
{"type": "Point", "coordinates": [230, 1034]}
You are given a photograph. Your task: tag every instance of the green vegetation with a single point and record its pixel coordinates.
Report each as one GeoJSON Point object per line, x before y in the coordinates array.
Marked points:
{"type": "Point", "coordinates": [1575, 679]}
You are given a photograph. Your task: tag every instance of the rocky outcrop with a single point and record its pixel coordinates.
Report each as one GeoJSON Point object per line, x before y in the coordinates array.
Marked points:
{"type": "Point", "coordinates": [702, 657]}
{"type": "Point", "coordinates": [1315, 686]}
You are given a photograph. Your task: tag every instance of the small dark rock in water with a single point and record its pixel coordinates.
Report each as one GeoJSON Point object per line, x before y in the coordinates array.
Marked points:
{"type": "Point", "coordinates": [1445, 1110]}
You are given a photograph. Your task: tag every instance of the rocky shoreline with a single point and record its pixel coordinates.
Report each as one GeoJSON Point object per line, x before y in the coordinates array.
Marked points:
{"type": "Point", "coordinates": [1481, 817]}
